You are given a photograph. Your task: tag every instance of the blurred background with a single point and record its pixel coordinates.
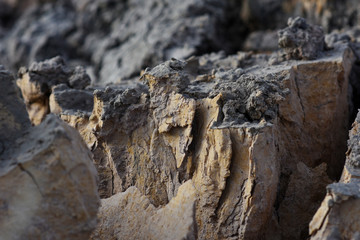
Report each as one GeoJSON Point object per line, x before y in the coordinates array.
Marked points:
{"type": "Point", "coordinates": [116, 40]}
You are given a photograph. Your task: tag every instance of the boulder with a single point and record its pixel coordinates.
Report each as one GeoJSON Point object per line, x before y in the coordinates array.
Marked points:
{"type": "Point", "coordinates": [48, 182]}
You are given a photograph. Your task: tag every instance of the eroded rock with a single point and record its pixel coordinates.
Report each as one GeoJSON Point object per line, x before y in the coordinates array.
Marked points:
{"type": "Point", "coordinates": [41, 78]}
{"type": "Point", "coordinates": [305, 192]}
{"type": "Point", "coordinates": [231, 131]}
{"type": "Point", "coordinates": [301, 40]}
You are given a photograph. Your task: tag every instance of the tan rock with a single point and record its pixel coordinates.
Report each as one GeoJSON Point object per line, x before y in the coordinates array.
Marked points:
{"type": "Point", "coordinates": [37, 103]}
{"type": "Point", "coordinates": [247, 138]}
{"type": "Point", "coordinates": [38, 81]}
{"type": "Point", "coordinates": [130, 215]}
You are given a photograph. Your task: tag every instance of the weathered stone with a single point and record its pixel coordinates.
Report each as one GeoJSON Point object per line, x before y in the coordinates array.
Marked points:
{"type": "Point", "coordinates": [87, 32]}
{"type": "Point", "coordinates": [301, 40]}
{"type": "Point", "coordinates": [47, 178]}
{"type": "Point", "coordinates": [246, 137]}
{"type": "Point", "coordinates": [252, 138]}
{"type": "Point", "coordinates": [130, 215]}
{"type": "Point", "coordinates": [64, 99]}
{"type": "Point", "coordinates": [37, 82]}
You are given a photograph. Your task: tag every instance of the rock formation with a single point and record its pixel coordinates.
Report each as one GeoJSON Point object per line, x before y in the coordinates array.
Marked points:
{"type": "Point", "coordinates": [245, 132]}
{"type": "Point", "coordinates": [36, 83]}
{"type": "Point", "coordinates": [47, 178]}
{"type": "Point", "coordinates": [188, 142]}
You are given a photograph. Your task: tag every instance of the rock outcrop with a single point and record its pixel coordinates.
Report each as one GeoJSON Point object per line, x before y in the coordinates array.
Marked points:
{"type": "Point", "coordinates": [47, 178]}
{"type": "Point", "coordinates": [246, 137]}
{"type": "Point", "coordinates": [202, 144]}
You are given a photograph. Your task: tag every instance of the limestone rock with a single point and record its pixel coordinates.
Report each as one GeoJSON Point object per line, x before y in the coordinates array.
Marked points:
{"type": "Point", "coordinates": [301, 40]}
{"type": "Point", "coordinates": [47, 178]}
{"type": "Point", "coordinates": [87, 32]}
{"type": "Point", "coordinates": [64, 98]}
{"type": "Point", "coordinates": [130, 215]}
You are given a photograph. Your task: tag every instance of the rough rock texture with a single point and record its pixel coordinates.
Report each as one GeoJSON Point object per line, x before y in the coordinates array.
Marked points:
{"type": "Point", "coordinates": [115, 40]}
{"type": "Point", "coordinates": [40, 79]}
{"type": "Point", "coordinates": [338, 216]}
{"type": "Point", "coordinates": [47, 178]}
{"type": "Point", "coordinates": [301, 40]}
{"type": "Point", "coordinates": [246, 137]}
{"type": "Point", "coordinates": [136, 218]}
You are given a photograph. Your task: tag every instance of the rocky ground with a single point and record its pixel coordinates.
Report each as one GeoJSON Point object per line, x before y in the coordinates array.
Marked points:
{"type": "Point", "coordinates": [192, 119]}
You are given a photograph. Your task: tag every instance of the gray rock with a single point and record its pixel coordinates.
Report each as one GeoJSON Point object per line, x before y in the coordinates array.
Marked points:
{"type": "Point", "coordinates": [13, 118]}
{"type": "Point", "coordinates": [301, 40]}
{"type": "Point", "coordinates": [118, 38]}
